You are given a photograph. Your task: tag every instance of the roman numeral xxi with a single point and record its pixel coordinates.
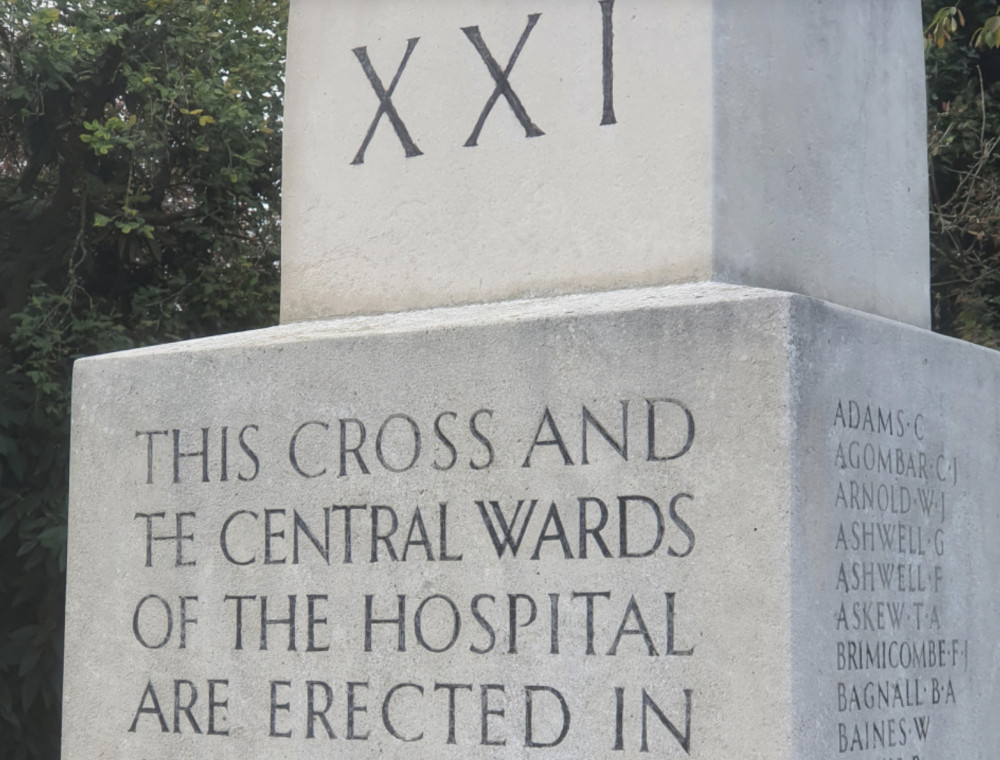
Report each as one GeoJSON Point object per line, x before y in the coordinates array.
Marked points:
{"type": "Point", "coordinates": [501, 79]}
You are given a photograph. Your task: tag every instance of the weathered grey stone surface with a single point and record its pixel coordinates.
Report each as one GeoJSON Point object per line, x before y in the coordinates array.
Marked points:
{"type": "Point", "coordinates": [771, 143]}
{"type": "Point", "coordinates": [765, 406]}
{"type": "Point", "coordinates": [893, 540]}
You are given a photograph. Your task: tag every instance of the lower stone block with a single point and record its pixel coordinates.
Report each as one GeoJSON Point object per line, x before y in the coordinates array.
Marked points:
{"type": "Point", "coordinates": [701, 521]}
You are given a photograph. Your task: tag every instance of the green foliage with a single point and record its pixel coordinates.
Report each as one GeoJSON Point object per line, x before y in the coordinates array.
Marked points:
{"type": "Point", "coordinates": [139, 202]}
{"type": "Point", "coordinates": [963, 82]}
{"type": "Point", "coordinates": [944, 23]}
{"type": "Point", "coordinates": [988, 34]}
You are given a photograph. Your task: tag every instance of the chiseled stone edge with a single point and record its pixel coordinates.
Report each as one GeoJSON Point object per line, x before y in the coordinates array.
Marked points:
{"type": "Point", "coordinates": [637, 299]}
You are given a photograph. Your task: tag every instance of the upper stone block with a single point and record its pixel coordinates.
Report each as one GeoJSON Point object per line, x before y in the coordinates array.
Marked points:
{"type": "Point", "coordinates": [460, 151]}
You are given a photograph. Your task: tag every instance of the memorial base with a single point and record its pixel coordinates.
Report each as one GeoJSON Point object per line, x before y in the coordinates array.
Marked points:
{"type": "Point", "coordinates": [700, 521]}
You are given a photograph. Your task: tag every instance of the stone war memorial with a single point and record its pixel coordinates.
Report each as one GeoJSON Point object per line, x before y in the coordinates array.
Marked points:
{"type": "Point", "coordinates": [604, 419]}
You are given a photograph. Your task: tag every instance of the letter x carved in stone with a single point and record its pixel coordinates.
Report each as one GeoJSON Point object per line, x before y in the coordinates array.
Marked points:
{"type": "Point", "coordinates": [386, 106]}
{"type": "Point", "coordinates": [501, 77]}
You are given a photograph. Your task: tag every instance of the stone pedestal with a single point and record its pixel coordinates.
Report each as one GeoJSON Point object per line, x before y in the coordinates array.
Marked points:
{"type": "Point", "coordinates": [705, 521]}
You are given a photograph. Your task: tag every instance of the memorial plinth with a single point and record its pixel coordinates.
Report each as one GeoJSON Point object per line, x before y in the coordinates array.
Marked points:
{"type": "Point", "coordinates": [708, 520]}
{"type": "Point", "coordinates": [705, 520]}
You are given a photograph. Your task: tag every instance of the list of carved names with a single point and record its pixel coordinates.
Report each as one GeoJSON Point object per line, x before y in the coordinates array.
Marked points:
{"type": "Point", "coordinates": [899, 658]}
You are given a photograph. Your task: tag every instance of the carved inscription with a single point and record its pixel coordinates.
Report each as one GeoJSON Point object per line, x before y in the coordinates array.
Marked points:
{"type": "Point", "coordinates": [557, 625]}
{"type": "Point", "coordinates": [607, 11]}
{"type": "Point", "coordinates": [900, 661]}
{"type": "Point", "coordinates": [501, 79]}
{"type": "Point", "coordinates": [385, 106]}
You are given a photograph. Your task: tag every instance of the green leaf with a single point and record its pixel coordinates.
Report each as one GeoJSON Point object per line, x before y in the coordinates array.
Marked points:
{"type": "Point", "coordinates": [7, 521]}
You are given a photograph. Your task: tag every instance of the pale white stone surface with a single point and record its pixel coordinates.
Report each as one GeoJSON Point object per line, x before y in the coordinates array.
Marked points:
{"type": "Point", "coordinates": [776, 144]}
{"type": "Point", "coordinates": [762, 374]}
{"type": "Point", "coordinates": [820, 171]}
